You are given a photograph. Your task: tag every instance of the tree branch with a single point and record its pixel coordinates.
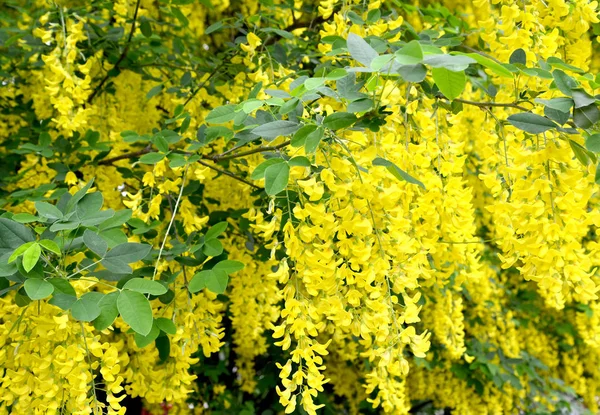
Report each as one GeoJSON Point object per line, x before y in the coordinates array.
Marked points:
{"type": "Point", "coordinates": [121, 57]}
{"type": "Point", "coordinates": [230, 174]}
{"type": "Point", "coordinates": [491, 104]}
{"type": "Point", "coordinates": [125, 156]}
{"type": "Point", "coordinates": [223, 156]}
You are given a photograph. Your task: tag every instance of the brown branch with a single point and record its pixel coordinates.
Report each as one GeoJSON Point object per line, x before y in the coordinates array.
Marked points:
{"type": "Point", "coordinates": [223, 156]}
{"type": "Point", "coordinates": [230, 174]}
{"type": "Point", "coordinates": [491, 104]}
{"type": "Point", "coordinates": [121, 58]}
{"type": "Point", "coordinates": [126, 156]}
{"type": "Point", "coordinates": [213, 73]}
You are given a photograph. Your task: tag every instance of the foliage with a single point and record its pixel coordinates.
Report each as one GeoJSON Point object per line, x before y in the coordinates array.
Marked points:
{"type": "Point", "coordinates": [299, 206]}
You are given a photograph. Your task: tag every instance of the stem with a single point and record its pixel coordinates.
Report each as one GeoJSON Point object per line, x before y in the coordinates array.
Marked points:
{"type": "Point", "coordinates": [213, 73]}
{"type": "Point", "coordinates": [223, 156]}
{"type": "Point", "coordinates": [90, 363]}
{"type": "Point", "coordinates": [162, 247]}
{"type": "Point", "coordinates": [121, 58]}
{"type": "Point", "coordinates": [126, 156]}
{"type": "Point", "coordinates": [230, 174]}
{"type": "Point", "coordinates": [491, 104]}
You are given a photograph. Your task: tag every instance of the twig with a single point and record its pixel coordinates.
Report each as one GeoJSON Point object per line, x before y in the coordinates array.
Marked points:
{"type": "Point", "coordinates": [228, 173]}
{"type": "Point", "coordinates": [491, 104]}
{"type": "Point", "coordinates": [213, 73]}
{"type": "Point", "coordinates": [173, 214]}
{"type": "Point", "coordinates": [123, 54]}
{"type": "Point", "coordinates": [125, 156]}
{"type": "Point", "coordinates": [223, 156]}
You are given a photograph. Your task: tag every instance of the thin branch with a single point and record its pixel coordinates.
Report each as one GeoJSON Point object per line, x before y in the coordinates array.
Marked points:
{"type": "Point", "coordinates": [126, 156]}
{"type": "Point", "coordinates": [213, 73]}
{"type": "Point", "coordinates": [230, 174]}
{"type": "Point", "coordinates": [491, 104]}
{"type": "Point", "coordinates": [173, 214]}
{"type": "Point", "coordinates": [121, 58]}
{"type": "Point", "coordinates": [262, 149]}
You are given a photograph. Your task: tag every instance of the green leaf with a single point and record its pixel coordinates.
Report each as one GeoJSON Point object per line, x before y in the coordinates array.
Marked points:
{"type": "Point", "coordinates": [64, 294]}
{"type": "Point", "coordinates": [51, 246]}
{"type": "Point", "coordinates": [86, 308]}
{"type": "Point", "coordinates": [229, 266]}
{"type": "Point", "coordinates": [276, 178]}
{"type": "Point", "coordinates": [314, 83]}
{"type": "Point", "coordinates": [179, 16]}
{"type": "Point", "coordinates": [117, 220]}
{"type": "Point", "coordinates": [31, 256]}
{"type": "Point", "coordinates": [592, 143]}
{"type": "Point", "coordinates": [151, 158]}
{"type": "Point", "coordinates": [198, 281]}
{"type": "Point", "coordinates": [495, 67]}
{"type": "Point", "coordinates": [113, 237]}
{"type": "Point", "coordinates": [252, 105]}
{"type": "Point", "coordinates": [582, 98]}
{"type": "Point", "coordinates": [221, 115]}
{"type": "Point", "coordinates": [413, 73]}
{"type": "Point", "coordinates": [38, 289]}
{"type": "Point", "coordinates": [339, 120]}
{"type": "Point", "coordinates": [118, 258]}
{"type": "Point", "coordinates": [274, 129]}
{"type": "Point", "coordinates": [531, 123]}
{"type": "Point", "coordinates": [108, 311]}
{"type": "Point", "coordinates": [451, 63]}
{"type": "Point", "coordinates": [409, 54]}
{"type": "Point", "coordinates": [89, 205]}
{"type": "Point", "coordinates": [518, 57]}
{"type": "Point", "coordinates": [586, 117]}
{"type": "Point", "coordinates": [212, 247]}
{"type": "Point", "coordinates": [564, 82]}
{"type": "Point", "coordinates": [360, 50]}
{"type": "Point", "coordinates": [360, 105]}
{"type": "Point", "coordinates": [380, 63]}
{"type": "Point", "coordinates": [25, 218]}
{"type": "Point", "coordinates": [560, 117]}
{"type": "Point", "coordinates": [259, 172]}
{"type": "Point", "coordinates": [166, 325]}
{"type": "Point", "coordinates": [161, 144]}
{"type": "Point", "coordinates": [13, 235]}
{"type": "Point", "coordinates": [336, 74]}
{"type": "Point", "coordinates": [396, 171]}
{"type": "Point", "coordinates": [144, 286]}
{"type": "Point", "coordinates": [313, 139]}
{"type": "Point", "coordinates": [215, 231]}
{"type": "Point", "coordinates": [559, 104]}
{"type": "Point", "coordinates": [163, 345]}
{"type": "Point", "coordinates": [143, 341]}
{"type": "Point", "coordinates": [299, 161]}
{"type": "Point", "coordinates": [289, 106]}
{"type": "Point", "coordinates": [558, 63]}
{"type": "Point", "coordinates": [300, 136]}
{"type": "Point", "coordinates": [214, 280]}
{"type": "Point", "coordinates": [597, 176]}
{"type": "Point", "coordinates": [19, 251]}
{"type": "Point", "coordinates": [136, 311]}
{"type": "Point", "coordinates": [46, 210]}
{"type": "Point", "coordinates": [146, 28]}
{"type": "Point", "coordinates": [154, 91]}
{"type": "Point", "coordinates": [450, 83]}
{"type": "Point", "coordinates": [6, 269]}
{"type": "Point", "coordinates": [214, 27]}
{"type": "Point", "coordinates": [95, 243]}
{"type": "Point", "coordinates": [78, 196]}
{"type": "Point", "coordinates": [580, 153]}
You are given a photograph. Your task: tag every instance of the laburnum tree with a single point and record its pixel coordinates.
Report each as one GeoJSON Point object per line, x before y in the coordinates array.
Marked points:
{"type": "Point", "coordinates": [299, 206]}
